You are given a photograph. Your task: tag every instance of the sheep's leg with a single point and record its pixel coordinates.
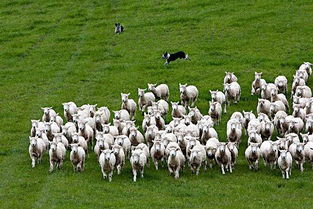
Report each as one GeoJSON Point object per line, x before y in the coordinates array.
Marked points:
{"type": "Point", "coordinates": [170, 170]}
{"type": "Point", "coordinates": [222, 168]}
{"type": "Point", "coordinates": [287, 174]}
{"type": "Point", "coordinates": [142, 171]}
{"type": "Point", "coordinates": [119, 169]}
{"type": "Point", "coordinates": [225, 105]}
{"type": "Point", "coordinates": [198, 170]}
{"type": "Point", "coordinates": [110, 175]}
{"type": "Point", "coordinates": [51, 166]}
{"type": "Point", "coordinates": [74, 168]}
{"type": "Point", "coordinates": [301, 167]}
{"type": "Point", "coordinates": [256, 165]}
{"type": "Point", "coordinates": [156, 164]}
{"type": "Point", "coordinates": [34, 162]}
{"type": "Point", "coordinates": [60, 164]}
{"type": "Point", "coordinates": [135, 175]}
{"type": "Point", "coordinates": [230, 168]}
{"type": "Point", "coordinates": [177, 174]}
{"type": "Point", "coordinates": [283, 172]}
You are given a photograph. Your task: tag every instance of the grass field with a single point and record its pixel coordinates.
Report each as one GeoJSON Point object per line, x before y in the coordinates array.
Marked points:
{"type": "Point", "coordinates": [57, 51]}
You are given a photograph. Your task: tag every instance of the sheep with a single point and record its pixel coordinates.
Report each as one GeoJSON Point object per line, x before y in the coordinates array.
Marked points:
{"type": "Point", "coordinates": [207, 133]}
{"type": "Point", "coordinates": [56, 155]}
{"type": "Point", "coordinates": [108, 138]}
{"type": "Point", "coordinates": [254, 125]}
{"type": "Point", "coordinates": [68, 130]}
{"type": "Point", "coordinates": [211, 147]}
{"type": "Point", "coordinates": [257, 83]}
{"type": "Point", "coordinates": [80, 141]}
{"type": "Point", "coordinates": [302, 74]}
{"type": "Point", "coordinates": [230, 77]}
{"type": "Point", "coordinates": [129, 105]}
{"type": "Point", "coordinates": [263, 106]}
{"type": "Point", "coordinates": [191, 142]}
{"type": "Point", "coordinates": [303, 91]}
{"type": "Point", "coordinates": [138, 161]}
{"type": "Point", "coordinates": [263, 117]}
{"type": "Point", "coordinates": [86, 131]}
{"type": "Point", "coordinates": [175, 161]}
{"type": "Point", "coordinates": [70, 109]}
{"type": "Point", "coordinates": [297, 81]}
{"type": "Point", "coordinates": [178, 111]}
{"type": "Point", "coordinates": [161, 106]}
{"type": "Point", "coordinates": [100, 145]}
{"type": "Point", "coordinates": [254, 137]}
{"type": "Point", "coordinates": [238, 116]}
{"type": "Point", "coordinates": [145, 149]}
{"type": "Point", "coordinates": [59, 137]}
{"type": "Point", "coordinates": [188, 94]}
{"type": "Point", "coordinates": [285, 163]}
{"type": "Point", "coordinates": [107, 163]}
{"type": "Point", "coordinates": [215, 111]}
{"type": "Point", "coordinates": [306, 137]}
{"type": "Point", "coordinates": [128, 125]}
{"type": "Point", "coordinates": [234, 131]}
{"type": "Point", "coordinates": [281, 84]}
{"type": "Point", "coordinates": [275, 107]}
{"type": "Point", "coordinates": [279, 97]}
{"type": "Point", "coordinates": [135, 136]}
{"type": "Point", "coordinates": [278, 116]}
{"type": "Point", "coordinates": [299, 112]}
{"type": "Point", "coordinates": [121, 115]}
{"type": "Point", "coordinates": [108, 129]}
{"type": "Point", "coordinates": [269, 152]}
{"type": "Point", "coordinates": [148, 121]}
{"type": "Point", "coordinates": [119, 157]}
{"type": "Point", "coordinates": [51, 128]}
{"type": "Point", "coordinates": [150, 134]}
{"type": "Point", "coordinates": [197, 158]}
{"type": "Point", "coordinates": [307, 67]}
{"type": "Point", "coordinates": [297, 152]}
{"type": "Point", "coordinates": [145, 99]}
{"type": "Point", "coordinates": [234, 152]}
{"type": "Point", "coordinates": [223, 157]}
{"type": "Point", "coordinates": [160, 122]}
{"type": "Point", "coordinates": [77, 157]}
{"type": "Point", "coordinates": [252, 155]}
{"type": "Point", "coordinates": [292, 138]}
{"type": "Point", "coordinates": [168, 138]}
{"type": "Point", "coordinates": [282, 143]}
{"type": "Point", "coordinates": [157, 152]}
{"type": "Point", "coordinates": [309, 106]}
{"type": "Point", "coordinates": [247, 117]}
{"type": "Point", "coordinates": [232, 92]}
{"type": "Point", "coordinates": [266, 90]}
{"type": "Point", "coordinates": [195, 115]}
{"type": "Point", "coordinates": [42, 134]}
{"type": "Point", "coordinates": [160, 91]}
{"type": "Point", "coordinates": [308, 152]}
{"type": "Point", "coordinates": [124, 141]}
{"type": "Point", "coordinates": [182, 142]}
{"type": "Point", "coordinates": [36, 124]}
{"type": "Point", "coordinates": [48, 113]}
{"type": "Point", "coordinates": [57, 119]}
{"type": "Point", "coordinates": [295, 126]}
{"type": "Point", "coordinates": [36, 149]}
{"type": "Point", "coordinates": [309, 126]}
{"type": "Point", "coordinates": [218, 96]}
{"type": "Point", "coordinates": [267, 129]}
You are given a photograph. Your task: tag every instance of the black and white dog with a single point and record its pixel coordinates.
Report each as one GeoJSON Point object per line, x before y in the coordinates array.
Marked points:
{"type": "Point", "coordinates": [118, 28]}
{"type": "Point", "coordinates": [172, 57]}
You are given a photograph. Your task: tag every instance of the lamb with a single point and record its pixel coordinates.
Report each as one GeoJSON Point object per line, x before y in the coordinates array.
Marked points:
{"type": "Point", "coordinates": [247, 117]}
{"type": "Point", "coordinates": [254, 137]}
{"type": "Point", "coordinates": [157, 152]}
{"type": "Point", "coordinates": [100, 145]}
{"type": "Point", "coordinates": [266, 90]}
{"type": "Point", "coordinates": [299, 112]}
{"type": "Point", "coordinates": [105, 114]}
{"type": "Point", "coordinates": [223, 157]}
{"type": "Point", "coordinates": [108, 129]}
{"type": "Point", "coordinates": [297, 81]}
{"type": "Point", "coordinates": [302, 74]}
{"type": "Point", "coordinates": [211, 147]}
{"type": "Point", "coordinates": [59, 137]}
{"type": "Point", "coordinates": [230, 77]}
{"type": "Point", "coordinates": [215, 111]}
{"type": "Point", "coordinates": [36, 150]}
{"type": "Point", "coordinates": [178, 111]}
{"type": "Point", "coordinates": [48, 113]}
{"type": "Point", "coordinates": [147, 121]}
{"type": "Point", "coordinates": [119, 157]}
{"type": "Point", "coordinates": [124, 141]}
{"type": "Point", "coordinates": [129, 105]}
{"type": "Point", "coordinates": [138, 161]}
{"type": "Point", "coordinates": [161, 106]}
{"type": "Point", "coordinates": [281, 84]}
{"type": "Point", "coordinates": [267, 129]}
{"type": "Point", "coordinates": [234, 131]}
{"type": "Point", "coordinates": [108, 138]}
{"type": "Point", "coordinates": [107, 163]}
{"type": "Point", "coordinates": [279, 115]}
{"type": "Point", "coordinates": [70, 109]}
{"type": "Point", "coordinates": [255, 125]}
{"type": "Point", "coordinates": [135, 136]}
{"type": "Point", "coordinates": [207, 133]}
{"type": "Point", "coordinates": [263, 106]}
{"type": "Point", "coordinates": [57, 155]}
{"type": "Point", "coordinates": [86, 131]}
{"type": "Point", "coordinates": [42, 134]}
{"type": "Point", "coordinates": [195, 115]}
{"type": "Point", "coordinates": [192, 142]}
{"type": "Point", "coordinates": [197, 158]}
{"type": "Point", "coordinates": [232, 92]}
{"type": "Point", "coordinates": [145, 99]}
{"type": "Point", "coordinates": [306, 137]}
{"type": "Point", "coordinates": [234, 152]}
{"type": "Point", "coordinates": [175, 161]}
{"type": "Point", "coordinates": [297, 152]}
{"type": "Point", "coordinates": [68, 130]}
{"type": "Point", "coordinates": [121, 115]}
{"type": "Point", "coordinates": [160, 91]}
{"type": "Point", "coordinates": [296, 126]}
{"type": "Point", "coordinates": [150, 134]}
{"type": "Point", "coordinates": [51, 128]}
{"type": "Point", "coordinates": [285, 163]}
{"type": "Point", "coordinates": [36, 124]}
{"type": "Point", "coordinates": [218, 96]}
{"type": "Point", "coordinates": [307, 67]}
{"type": "Point", "coordinates": [77, 157]}
{"type": "Point", "coordinates": [57, 119]}
{"type": "Point", "coordinates": [303, 91]}
{"type": "Point", "coordinates": [257, 83]}
{"type": "Point", "coordinates": [292, 138]}
{"type": "Point", "coordinates": [80, 141]}
{"type": "Point", "coordinates": [252, 155]}
{"type": "Point", "coordinates": [188, 94]}
{"type": "Point", "coordinates": [269, 152]}
{"type": "Point", "coordinates": [275, 107]}
{"type": "Point", "coordinates": [279, 97]}
{"type": "Point", "coordinates": [145, 149]}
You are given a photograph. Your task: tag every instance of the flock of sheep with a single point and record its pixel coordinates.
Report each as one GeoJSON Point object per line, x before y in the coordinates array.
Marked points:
{"type": "Point", "coordinates": [190, 138]}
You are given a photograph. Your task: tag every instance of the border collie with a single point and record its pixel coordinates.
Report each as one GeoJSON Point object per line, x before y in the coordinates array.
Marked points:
{"type": "Point", "coordinates": [172, 57]}
{"type": "Point", "coordinates": [118, 28]}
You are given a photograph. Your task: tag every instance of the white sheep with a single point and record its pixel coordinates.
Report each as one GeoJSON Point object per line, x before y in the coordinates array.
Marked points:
{"type": "Point", "coordinates": [86, 131]}
{"type": "Point", "coordinates": [105, 114]}
{"type": "Point", "coordinates": [145, 99]}
{"type": "Point", "coordinates": [150, 134]}
{"type": "Point", "coordinates": [108, 129]}
{"type": "Point", "coordinates": [302, 74]}
{"type": "Point", "coordinates": [36, 124]}
{"type": "Point", "coordinates": [197, 158]}
{"type": "Point", "coordinates": [124, 141]}
{"type": "Point", "coordinates": [234, 131]}
{"type": "Point", "coordinates": [121, 115]}
{"type": "Point", "coordinates": [70, 108]}
{"type": "Point", "coordinates": [77, 157]}
{"type": "Point", "coordinates": [42, 134]}
{"type": "Point", "coordinates": [119, 157]}
{"type": "Point", "coordinates": [299, 112]}
{"type": "Point", "coordinates": [129, 105]}
{"type": "Point", "coordinates": [215, 111]}
{"type": "Point", "coordinates": [191, 142]}
{"type": "Point", "coordinates": [252, 155]}
{"type": "Point", "coordinates": [160, 91]}
{"type": "Point", "coordinates": [223, 157]}
{"type": "Point", "coordinates": [263, 106]}
{"type": "Point", "coordinates": [275, 107]}
{"type": "Point", "coordinates": [68, 130]}
{"type": "Point", "coordinates": [296, 125]}
{"type": "Point", "coordinates": [297, 152]}
{"type": "Point", "coordinates": [234, 152]}
{"type": "Point", "coordinates": [48, 113]}
{"type": "Point", "coordinates": [281, 83]}
{"type": "Point", "coordinates": [188, 94]}
{"type": "Point", "coordinates": [269, 152]}
{"type": "Point", "coordinates": [108, 138]}
{"type": "Point", "coordinates": [247, 117]}
{"type": "Point", "coordinates": [195, 115]}
{"type": "Point", "coordinates": [56, 155]}
{"type": "Point", "coordinates": [59, 137]}
{"type": "Point", "coordinates": [207, 133]}
{"type": "Point", "coordinates": [178, 111]}
{"type": "Point", "coordinates": [309, 126]}
{"type": "Point", "coordinates": [211, 147]}
{"type": "Point", "coordinates": [257, 83]}
{"type": "Point", "coordinates": [232, 92]}
{"type": "Point", "coordinates": [107, 163]}
{"type": "Point", "coordinates": [230, 77]}
{"type": "Point", "coordinates": [119, 124]}
{"type": "Point", "coordinates": [135, 136]}
{"type": "Point", "coordinates": [279, 97]}
{"type": "Point", "coordinates": [303, 91]}
{"type": "Point", "coordinates": [157, 152]}
{"type": "Point", "coordinates": [159, 121]}
{"type": "Point", "coordinates": [100, 145]}
{"type": "Point", "coordinates": [297, 81]}
{"type": "Point", "coordinates": [175, 161]}
{"type": "Point", "coordinates": [36, 150]}
{"type": "Point", "coordinates": [138, 161]}
{"type": "Point", "coordinates": [57, 119]}
{"type": "Point", "coordinates": [267, 129]}
{"type": "Point", "coordinates": [285, 163]}
{"type": "Point", "coordinates": [308, 152]}
{"type": "Point", "coordinates": [218, 96]}
{"type": "Point", "coordinates": [266, 90]}
{"type": "Point", "coordinates": [254, 137]}
{"type": "Point", "coordinates": [76, 139]}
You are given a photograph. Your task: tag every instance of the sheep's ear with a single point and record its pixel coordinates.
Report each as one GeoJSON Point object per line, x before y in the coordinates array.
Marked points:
{"type": "Point", "coordinates": [121, 94]}
{"type": "Point", "coordinates": [128, 94]}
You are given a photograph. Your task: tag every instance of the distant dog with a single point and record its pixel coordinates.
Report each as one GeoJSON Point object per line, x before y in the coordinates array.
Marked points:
{"type": "Point", "coordinates": [172, 57]}
{"type": "Point", "coordinates": [118, 28]}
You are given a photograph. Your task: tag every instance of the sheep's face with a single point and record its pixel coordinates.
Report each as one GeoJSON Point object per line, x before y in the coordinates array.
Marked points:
{"type": "Point", "coordinates": [273, 108]}
{"type": "Point", "coordinates": [282, 144]}
{"type": "Point", "coordinates": [98, 117]}
{"type": "Point", "coordinates": [33, 141]}
{"type": "Point", "coordinates": [263, 87]}
{"type": "Point", "coordinates": [275, 147]}
{"type": "Point", "coordinates": [305, 138]}
{"type": "Point", "coordinates": [292, 125]}
{"type": "Point", "coordinates": [107, 154]}
{"type": "Point", "coordinates": [299, 91]}
{"type": "Point", "coordinates": [157, 146]}
{"type": "Point", "coordinates": [47, 126]}
{"type": "Point", "coordinates": [135, 158]}
{"type": "Point", "coordinates": [116, 149]}
{"type": "Point", "coordinates": [175, 105]}
{"type": "Point", "coordinates": [34, 123]}
{"type": "Point", "coordinates": [168, 129]}
{"type": "Point", "coordinates": [158, 136]}
{"type": "Point", "coordinates": [75, 138]}
{"type": "Point", "coordinates": [226, 87]}
{"type": "Point", "coordinates": [300, 148]}
{"type": "Point", "coordinates": [106, 128]}
{"type": "Point", "coordinates": [182, 88]}
{"type": "Point", "coordinates": [46, 110]}
{"type": "Point", "coordinates": [309, 123]}
{"type": "Point", "coordinates": [254, 148]}
{"type": "Point", "coordinates": [38, 133]}
{"type": "Point", "coordinates": [119, 140]}
{"type": "Point", "coordinates": [66, 107]}
{"type": "Point", "coordinates": [257, 76]}
{"type": "Point", "coordinates": [212, 107]}
{"type": "Point", "coordinates": [233, 126]}
{"type": "Point", "coordinates": [273, 92]}
{"type": "Point", "coordinates": [158, 115]}
{"type": "Point", "coordinates": [151, 87]}
{"type": "Point", "coordinates": [213, 95]}
{"type": "Point", "coordinates": [81, 125]}
{"type": "Point", "coordinates": [268, 126]}
{"type": "Point", "coordinates": [133, 132]}
{"type": "Point", "coordinates": [100, 143]}
{"type": "Point", "coordinates": [194, 154]}
{"type": "Point", "coordinates": [53, 146]}
{"type": "Point", "coordinates": [205, 128]}
{"type": "Point", "coordinates": [187, 120]}
{"type": "Point", "coordinates": [222, 148]}
{"type": "Point", "coordinates": [192, 142]}
{"type": "Point", "coordinates": [283, 154]}
{"type": "Point", "coordinates": [150, 110]}
{"type": "Point", "coordinates": [117, 115]}
{"type": "Point", "coordinates": [124, 97]}
{"type": "Point", "coordinates": [150, 130]}
{"type": "Point", "coordinates": [173, 152]}
{"type": "Point", "coordinates": [99, 135]}
{"type": "Point", "coordinates": [141, 92]}
{"type": "Point", "coordinates": [74, 148]}
{"type": "Point", "coordinates": [75, 118]}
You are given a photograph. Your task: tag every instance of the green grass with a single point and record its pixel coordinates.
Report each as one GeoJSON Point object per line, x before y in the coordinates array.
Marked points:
{"type": "Point", "coordinates": [57, 51]}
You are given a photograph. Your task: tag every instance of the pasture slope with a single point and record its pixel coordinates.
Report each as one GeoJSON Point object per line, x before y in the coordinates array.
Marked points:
{"type": "Point", "coordinates": [57, 51]}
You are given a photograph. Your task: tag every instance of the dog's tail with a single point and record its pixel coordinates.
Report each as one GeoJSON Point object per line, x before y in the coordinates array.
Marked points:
{"type": "Point", "coordinates": [187, 57]}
